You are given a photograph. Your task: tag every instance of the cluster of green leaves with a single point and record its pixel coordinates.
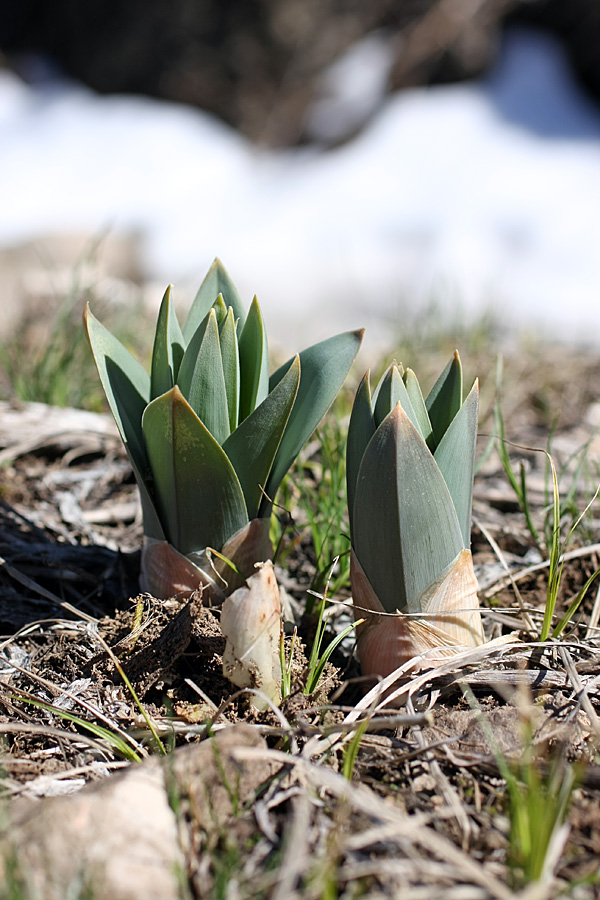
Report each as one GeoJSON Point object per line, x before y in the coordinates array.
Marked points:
{"type": "Point", "coordinates": [410, 463]}
{"type": "Point", "coordinates": [209, 433]}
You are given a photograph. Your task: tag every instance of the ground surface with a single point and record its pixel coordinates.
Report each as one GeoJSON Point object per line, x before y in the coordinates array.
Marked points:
{"type": "Point", "coordinates": [426, 813]}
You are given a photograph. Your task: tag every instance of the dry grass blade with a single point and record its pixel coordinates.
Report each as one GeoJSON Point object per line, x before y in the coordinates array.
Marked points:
{"type": "Point", "coordinates": [581, 694]}
{"type": "Point", "coordinates": [403, 829]}
{"type": "Point", "coordinates": [296, 854]}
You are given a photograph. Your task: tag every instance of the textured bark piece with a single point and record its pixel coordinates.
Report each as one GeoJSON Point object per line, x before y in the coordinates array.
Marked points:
{"type": "Point", "coordinates": [149, 664]}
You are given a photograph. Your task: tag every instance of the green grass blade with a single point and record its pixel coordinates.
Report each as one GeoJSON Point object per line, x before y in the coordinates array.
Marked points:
{"type": "Point", "coordinates": [217, 281]}
{"type": "Point", "coordinates": [316, 672]}
{"type": "Point", "coordinates": [252, 447]}
{"type": "Point", "coordinates": [455, 456]}
{"type": "Point", "coordinates": [231, 367]}
{"type": "Point", "coordinates": [168, 349]}
{"type": "Point", "coordinates": [417, 401]}
{"type": "Point", "coordinates": [574, 605]}
{"type": "Point", "coordinates": [114, 740]}
{"type": "Point", "coordinates": [254, 362]}
{"type": "Point", "coordinates": [412, 516]}
{"type": "Point", "coordinates": [360, 431]}
{"type": "Point", "coordinates": [198, 493]}
{"type": "Point", "coordinates": [202, 382]}
{"type": "Point", "coordinates": [323, 369]}
{"type": "Point", "coordinates": [444, 399]}
{"type": "Point", "coordinates": [555, 563]}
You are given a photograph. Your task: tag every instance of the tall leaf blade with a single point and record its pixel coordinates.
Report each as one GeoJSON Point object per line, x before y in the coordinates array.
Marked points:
{"type": "Point", "coordinates": [202, 382]}
{"type": "Point", "coordinates": [323, 369]}
{"type": "Point", "coordinates": [455, 456]}
{"type": "Point", "coordinates": [125, 382]}
{"type": "Point", "coordinates": [402, 502]}
{"type": "Point", "coordinates": [231, 367]}
{"type": "Point", "coordinates": [254, 362]}
{"type": "Point", "coordinates": [168, 350]}
{"type": "Point", "coordinates": [199, 497]}
{"type": "Point", "coordinates": [360, 431]}
{"type": "Point", "coordinates": [444, 399]}
{"type": "Point", "coordinates": [217, 281]}
{"type": "Point", "coordinates": [127, 388]}
{"type": "Point", "coordinates": [253, 445]}
{"type": "Point", "coordinates": [413, 389]}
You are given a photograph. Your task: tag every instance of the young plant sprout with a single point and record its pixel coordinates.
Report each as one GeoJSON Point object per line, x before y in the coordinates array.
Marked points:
{"type": "Point", "coordinates": [210, 435]}
{"type": "Point", "coordinates": [410, 463]}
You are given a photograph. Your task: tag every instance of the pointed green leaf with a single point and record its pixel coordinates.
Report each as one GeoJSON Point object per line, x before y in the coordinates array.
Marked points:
{"type": "Point", "coordinates": [253, 445]}
{"type": "Point", "coordinates": [406, 532]}
{"type": "Point", "coordinates": [231, 368]}
{"type": "Point", "coordinates": [360, 431]}
{"type": "Point", "coordinates": [413, 389]}
{"type": "Point", "coordinates": [455, 456]}
{"type": "Point", "coordinates": [125, 382]}
{"type": "Point", "coordinates": [168, 349]}
{"type": "Point", "coordinates": [198, 494]}
{"type": "Point", "coordinates": [444, 399]}
{"type": "Point", "coordinates": [217, 281]}
{"type": "Point", "coordinates": [254, 362]}
{"type": "Point", "coordinates": [202, 382]}
{"type": "Point", "coordinates": [323, 369]}
{"type": "Point", "coordinates": [391, 390]}
{"type": "Point", "coordinates": [127, 388]}
{"type": "Point", "coordinates": [220, 308]}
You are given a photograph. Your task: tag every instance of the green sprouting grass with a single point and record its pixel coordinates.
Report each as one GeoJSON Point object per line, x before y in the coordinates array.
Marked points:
{"type": "Point", "coordinates": [48, 360]}
{"type": "Point", "coordinates": [318, 657]}
{"type": "Point", "coordinates": [539, 789]}
{"type": "Point", "coordinates": [316, 487]}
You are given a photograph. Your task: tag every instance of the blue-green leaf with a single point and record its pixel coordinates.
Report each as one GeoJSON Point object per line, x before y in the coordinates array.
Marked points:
{"type": "Point", "coordinates": [201, 379]}
{"type": "Point", "coordinates": [444, 399]}
{"type": "Point", "coordinates": [127, 388]}
{"type": "Point", "coordinates": [217, 281]}
{"type": "Point", "coordinates": [323, 369]}
{"type": "Point", "coordinates": [231, 367]}
{"type": "Point", "coordinates": [391, 390]}
{"type": "Point", "coordinates": [360, 431]}
{"type": "Point", "coordinates": [254, 362]}
{"type": "Point", "coordinates": [198, 494]}
{"type": "Point", "coordinates": [455, 456]}
{"type": "Point", "coordinates": [220, 308]}
{"type": "Point", "coordinates": [168, 349]}
{"type": "Point", "coordinates": [406, 532]}
{"type": "Point", "coordinates": [253, 445]}
{"type": "Point", "coordinates": [413, 389]}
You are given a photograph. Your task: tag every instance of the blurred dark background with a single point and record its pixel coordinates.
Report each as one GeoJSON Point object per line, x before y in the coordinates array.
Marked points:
{"type": "Point", "coordinates": [257, 64]}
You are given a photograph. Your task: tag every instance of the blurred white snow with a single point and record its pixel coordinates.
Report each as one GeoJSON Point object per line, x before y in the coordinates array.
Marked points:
{"type": "Point", "coordinates": [482, 196]}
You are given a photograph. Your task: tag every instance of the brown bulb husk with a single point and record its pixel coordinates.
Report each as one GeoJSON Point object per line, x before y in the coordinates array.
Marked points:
{"type": "Point", "coordinates": [451, 621]}
{"type": "Point", "coordinates": [165, 572]}
{"type": "Point", "coordinates": [251, 624]}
